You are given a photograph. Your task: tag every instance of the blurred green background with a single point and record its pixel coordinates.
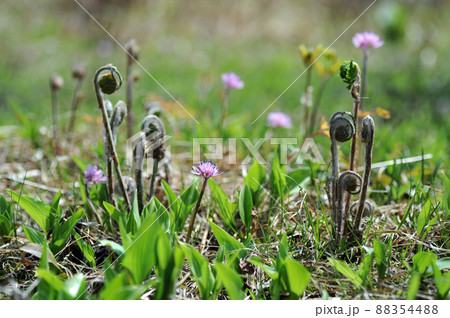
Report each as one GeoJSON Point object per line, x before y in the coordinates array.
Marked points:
{"type": "Point", "coordinates": [186, 45]}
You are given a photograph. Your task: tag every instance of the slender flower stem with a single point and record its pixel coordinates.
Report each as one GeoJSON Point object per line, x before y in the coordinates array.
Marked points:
{"type": "Point", "coordinates": [363, 92]}
{"type": "Point", "coordinates": [129, 98]}
{"type": "Point", "coordinates": [364, 78]}
{"type": "Point", "coordinates": [109, 135]}
{"type": "Point", "coordinates": [194, 214]}
{"type": "Point", "coordinates": [91, 204]}
{"type": "Point", "coordinates": [75, 102]}
{"type": "Point", "coordinates": [225, 100]}
{"type": "Point", "coordinates": [55, 119]}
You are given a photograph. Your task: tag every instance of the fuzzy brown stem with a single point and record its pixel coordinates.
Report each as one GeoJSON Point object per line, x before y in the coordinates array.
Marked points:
{"type": "Point", "coordinates": [369, 131]}
{"type": "Point", "coordinates": [109, 136]}
{"type": "Point", "coordinates": [335, 172]}
{"type": "Point", "coordinates": [153, 179]}
{"type": "Point", "coordinates": [138, 166]}
{"type": "Point", "coordinates": [356, 102]}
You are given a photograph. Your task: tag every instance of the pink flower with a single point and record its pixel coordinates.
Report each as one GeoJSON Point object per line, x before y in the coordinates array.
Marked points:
{"type": "Point", "coordinates": [232, 81]}
{"type": "Point", "coordinates": [367, 40]}
{"type": "Point", "coordinates": [206, 169]}
{"type": "Point", "coordinates": [279, 119]}
{"type": "Point", "coordinates": [94, 175]}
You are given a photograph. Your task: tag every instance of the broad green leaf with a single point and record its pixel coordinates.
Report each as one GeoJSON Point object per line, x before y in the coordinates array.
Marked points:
{"type": "Point", "coordinates": [87, 250]}
{"type": "Point", "coordinates": [55, 205]}
{"type": "Point", "coordinates": [169, 260]}
{"type": "Point", "coordinates": [297, 178]}
{"type": "Point", "coordinates": [124, 235]}
{"type": "Point", "coordinates": [4, 206]}
{"type": "Point", "coordinates": [38, 210]}
{"type": "Point", "coordinates": [200, 269]}
{"type": "Point", "coordinates": [5, 226]}
{"type": "Point", "coordinates": [442, 282]}
{"type": "Point", "coordinates": [140, 256]}
{"type": "Point", "coordinates": [231, 280]}
{"type": "Point", "coordinates": [423, 260]}
{"type": "Point", "coordinates": [56, 283]}
{"type": "Point", "coordinates": [75, 286]}
{"type": "Point", "coordinates": [277, 180]}
{"type": "Point", "coordinates": [413, 285]}
{"type": "Point", "coordinates": [227, 209]}
{"type": "Point", "coordinates": [272, 272]}
{"type": "Point", "coordinates": [294, 277]}
{"type": "Point", "coordinates": [255, 180]}
{"type": "Point", "coordinates": [190, 195]}
{"type": "Point", "coordinates": [283, 252]}
{"type": "Point", "coordinates": [115, 246]}
{"type": "Point", "coordinates": [118, 289]}
{"type": "Point", "coordinates": [380, 250]}
{"type": "Point", "coordinates": [423, 218]}
{"type": "Point", "coordinates": [445, 199]}
{"type": "Point", "coordinates": [6, 217]}
{"type": "Point", "coordinates": [443, 263]}
{"type": "Point", "coordinates": [178, 209]}
{"type": "Point", "coordinates": [62, 233]}
{"type": "Point", "coordinates": [246, 207]}
{"type": "Point", "coordinates": [347, 271]}
{"type": "Point", "coordinates": [34, 236]}
{"type": "Point", "coordinates": [111, 209]}
{"type": "Point", "coordinates": [364, 267]}
{"type": "Point", "coordinates": [134, 220]}
{"type": "Point", "coordinates": [230, 244]}
{"type": "Point", "coordinates": [163, 215]}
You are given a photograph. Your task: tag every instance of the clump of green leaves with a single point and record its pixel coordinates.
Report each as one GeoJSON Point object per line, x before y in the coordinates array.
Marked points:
{"type": "Point", "coordinates": [349, 71]}
{"type": "Point", "coordinates": [427, 264]}
{"type": "Point", "coordinates": [289, 277]}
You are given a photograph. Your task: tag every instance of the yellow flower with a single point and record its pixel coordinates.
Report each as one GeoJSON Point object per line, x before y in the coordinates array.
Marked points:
{"type": "Point", "coordinates": [383, 113]}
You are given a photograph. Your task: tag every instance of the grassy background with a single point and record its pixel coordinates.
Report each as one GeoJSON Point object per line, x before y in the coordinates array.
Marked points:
{"type": "Point", "coordinates": [185, 46]}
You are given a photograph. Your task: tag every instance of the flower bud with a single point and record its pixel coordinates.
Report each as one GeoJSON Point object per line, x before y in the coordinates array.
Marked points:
{"type": "Point", "coordinates": [132, 49]}
{"type": "Point", "coordinates": [56, 82]}
{"type": "Point", "coordinates": [79, 70]}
